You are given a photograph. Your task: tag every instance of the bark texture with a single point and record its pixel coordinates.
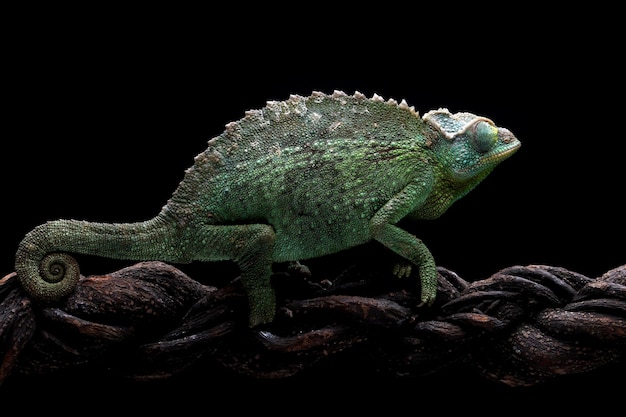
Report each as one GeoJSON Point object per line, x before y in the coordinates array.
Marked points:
{"type": "Point", "coordinates": [521, 326]}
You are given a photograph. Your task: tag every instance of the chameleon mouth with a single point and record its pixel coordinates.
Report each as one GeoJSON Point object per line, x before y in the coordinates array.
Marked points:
{"type": "Point", "coordinates": [504, 153]}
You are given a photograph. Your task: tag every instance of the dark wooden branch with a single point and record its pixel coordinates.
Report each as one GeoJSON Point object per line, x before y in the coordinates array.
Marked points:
{"type": "Point", "coordinates": [521, 326]}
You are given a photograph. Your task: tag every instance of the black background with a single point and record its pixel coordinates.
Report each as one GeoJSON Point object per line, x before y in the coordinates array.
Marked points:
{"type": "Point", "coordinates": [105, 109]}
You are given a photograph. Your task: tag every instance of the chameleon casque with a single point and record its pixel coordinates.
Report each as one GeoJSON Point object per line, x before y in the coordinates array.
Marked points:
{"type": "Point", "coordinates": [297, 179]}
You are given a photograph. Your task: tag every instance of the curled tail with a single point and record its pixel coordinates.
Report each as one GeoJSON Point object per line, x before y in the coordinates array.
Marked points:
{"type": "Point", "coordinates": [48, 272]}
{"type": "Point", "coordinates": [45, 273]}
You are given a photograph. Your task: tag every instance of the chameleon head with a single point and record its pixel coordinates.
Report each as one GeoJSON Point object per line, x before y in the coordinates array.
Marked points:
{"type": "Point", "coordinates": [469, 146]}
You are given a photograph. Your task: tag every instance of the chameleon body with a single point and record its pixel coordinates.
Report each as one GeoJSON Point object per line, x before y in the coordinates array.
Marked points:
{"type": "Point", "coordinates": [297, 179]}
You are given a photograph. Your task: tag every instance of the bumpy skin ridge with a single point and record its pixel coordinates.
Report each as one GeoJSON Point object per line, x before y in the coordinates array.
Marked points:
{"type": "Point", "coordinates": [297, 179]}
{"type": "Point", "coordinates": [310, 160]}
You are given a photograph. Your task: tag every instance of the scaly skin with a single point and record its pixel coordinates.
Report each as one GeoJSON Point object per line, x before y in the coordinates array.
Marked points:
{"type": "Point", "coordinates": [298, 179]}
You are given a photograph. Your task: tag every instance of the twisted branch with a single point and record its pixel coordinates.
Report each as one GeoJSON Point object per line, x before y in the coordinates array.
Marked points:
{"type": "Point", "coordinates": [521, 326]}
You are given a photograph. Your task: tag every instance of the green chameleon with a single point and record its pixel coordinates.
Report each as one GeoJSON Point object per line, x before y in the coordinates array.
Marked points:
{"type": "Point", "coordinates": [298, 179]}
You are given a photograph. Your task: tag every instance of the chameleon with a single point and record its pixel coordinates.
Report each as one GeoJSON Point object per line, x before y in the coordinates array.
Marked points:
{"type": "Point", "coordinates": [296, 179]}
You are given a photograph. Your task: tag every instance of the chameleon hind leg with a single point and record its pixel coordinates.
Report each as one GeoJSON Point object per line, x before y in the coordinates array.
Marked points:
{"type": "Point", "coordinates": [251, 246]}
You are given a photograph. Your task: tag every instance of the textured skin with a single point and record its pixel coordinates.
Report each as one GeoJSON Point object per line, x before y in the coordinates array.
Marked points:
{"type": "Point", "coordinates": [298, 179]}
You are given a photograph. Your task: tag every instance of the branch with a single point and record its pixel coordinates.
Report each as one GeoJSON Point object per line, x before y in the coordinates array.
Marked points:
{"type": "Point", "coordinates": [521, 326]}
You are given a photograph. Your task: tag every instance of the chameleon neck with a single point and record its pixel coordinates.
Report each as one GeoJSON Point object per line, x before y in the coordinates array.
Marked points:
{"type": "Point", "coordinates": [48, 272]}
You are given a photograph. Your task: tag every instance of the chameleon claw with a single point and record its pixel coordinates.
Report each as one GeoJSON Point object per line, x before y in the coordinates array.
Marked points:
{"type": "Point", "coordinates": [402, 270]}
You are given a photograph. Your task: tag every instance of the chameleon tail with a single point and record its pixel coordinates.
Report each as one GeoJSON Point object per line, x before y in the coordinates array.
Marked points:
{"type": "Point", "coordinates": [47, 271]}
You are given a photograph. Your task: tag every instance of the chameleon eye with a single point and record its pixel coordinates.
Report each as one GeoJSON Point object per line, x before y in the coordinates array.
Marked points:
{"type": "Point", "coordinates": [484, 136]}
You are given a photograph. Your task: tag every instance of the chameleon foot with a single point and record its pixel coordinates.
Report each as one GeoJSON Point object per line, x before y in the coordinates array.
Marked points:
{"type": "Point", "coordinates": [402, 269]}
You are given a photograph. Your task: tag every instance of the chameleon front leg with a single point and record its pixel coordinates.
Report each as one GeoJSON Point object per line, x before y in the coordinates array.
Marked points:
{"type": "Point", "coordinates": [384, 230]}
{"type": "Point", "coordinates": [251, 247]}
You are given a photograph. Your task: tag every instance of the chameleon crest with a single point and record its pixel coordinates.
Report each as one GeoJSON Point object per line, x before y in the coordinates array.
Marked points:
{"type": "Point", "coordinates": [297, 179]}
